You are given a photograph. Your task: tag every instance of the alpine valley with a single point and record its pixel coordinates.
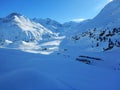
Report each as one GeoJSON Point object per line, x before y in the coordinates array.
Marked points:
{"type": "Point", "coordinates": [43, 54]}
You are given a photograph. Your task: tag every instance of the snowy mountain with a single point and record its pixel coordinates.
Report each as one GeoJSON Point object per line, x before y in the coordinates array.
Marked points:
{"type": "Point", "coordinates": [49, 24]}
{"type": "Point", "coordinates": [72, 27]}
{"type": "Point", "coordinates": [17, 31]}
{"type": "Point", "coordinates": [16, 27]}
{"type": "Point", "coordinates": [109, 17]}
{"type": "Point", "coordinates": [88, 34]}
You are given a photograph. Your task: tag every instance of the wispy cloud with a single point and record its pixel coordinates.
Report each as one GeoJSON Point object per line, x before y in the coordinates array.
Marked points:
{"type": "Point", "coordinates": [78, 20]}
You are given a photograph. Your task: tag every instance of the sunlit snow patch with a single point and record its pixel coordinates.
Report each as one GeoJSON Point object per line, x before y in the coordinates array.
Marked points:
{"type": "Point", "coordinates": [43, 48]}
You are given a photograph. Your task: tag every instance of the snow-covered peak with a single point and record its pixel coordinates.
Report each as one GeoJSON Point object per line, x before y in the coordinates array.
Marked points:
{"type": "Point", "coordinates": [17, 27]}
{"type": "Point", "coordinates": [18, 31]}
{"type": "Point", "coordinates": [13, 14]}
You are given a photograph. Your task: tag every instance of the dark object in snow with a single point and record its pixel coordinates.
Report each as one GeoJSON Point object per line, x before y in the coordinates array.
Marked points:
{"type": "Point", "coordinates": [76, 38]}
{"type": "Point", "coordinates": [87, 59]}
{"type": "Point", "coordinates": [83, 60]}
{"type": "Point", "coordinates": [44, 49]}
{"type": "Point", "coordinates": [90, 57]}
{"type": "Point", "coordinates": [65, 49]}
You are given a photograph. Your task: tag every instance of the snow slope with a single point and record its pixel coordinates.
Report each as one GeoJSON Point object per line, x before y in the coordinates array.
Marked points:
{"type": "Point", "coordinates": [94, 40]}
{"type": "Point", "coordinates": [57, 72]}
{"type": "Point", "coordinates": [109, 16]}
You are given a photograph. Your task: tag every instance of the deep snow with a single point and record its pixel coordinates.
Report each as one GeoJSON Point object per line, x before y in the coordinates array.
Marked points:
{"type": "Point", "coordinates": [25, 71]}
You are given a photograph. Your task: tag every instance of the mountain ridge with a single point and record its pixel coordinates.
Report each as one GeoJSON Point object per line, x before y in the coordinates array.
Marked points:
{"type": "Point", "coordinates": [40, 30]}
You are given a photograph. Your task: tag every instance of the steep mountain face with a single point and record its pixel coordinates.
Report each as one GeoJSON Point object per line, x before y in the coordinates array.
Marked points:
{"type": "Point", "coordinates": [16, 27]}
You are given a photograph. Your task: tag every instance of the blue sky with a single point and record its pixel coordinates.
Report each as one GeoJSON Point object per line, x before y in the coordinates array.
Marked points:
{"type": "Point", "coordinates": [60, 10]}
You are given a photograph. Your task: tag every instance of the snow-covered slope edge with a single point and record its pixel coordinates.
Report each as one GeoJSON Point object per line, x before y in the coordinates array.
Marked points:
{"type": "Point", "coordinates": [94, 40]}
{"type": "Point", "coordinates": [109, 17]}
